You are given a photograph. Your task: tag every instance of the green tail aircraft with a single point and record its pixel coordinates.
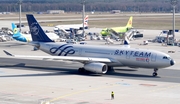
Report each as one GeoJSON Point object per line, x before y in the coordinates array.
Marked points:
{"type": "Point", "coordinates": [106, 32]}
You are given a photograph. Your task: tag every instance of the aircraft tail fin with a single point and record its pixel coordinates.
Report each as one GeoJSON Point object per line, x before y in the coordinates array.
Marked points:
{"type": "Point", "coordinates": [37, 32]}
{"type": "Point", "coordinates": [86, 21]}
{"type": "Point", "coordinates": [16, 32]}
{"type": "Point", "coordinates": [126, 42]}
{"type": "Point", "coordinates": [129, 23]}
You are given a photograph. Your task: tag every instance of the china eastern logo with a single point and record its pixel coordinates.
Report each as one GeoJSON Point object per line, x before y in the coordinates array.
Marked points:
{"type": "Point", "coordinates": [34, 28]}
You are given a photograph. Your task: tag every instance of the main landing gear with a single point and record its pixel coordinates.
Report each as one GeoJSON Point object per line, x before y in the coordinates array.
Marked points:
{"type": "Point", "coordinates": [155, 72]}
{"type": "Point", "coordinates": [110, 69]}
{"type": "Point", "coordinates": [81, 70]}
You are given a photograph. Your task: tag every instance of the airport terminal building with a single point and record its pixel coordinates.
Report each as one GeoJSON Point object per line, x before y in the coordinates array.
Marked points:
{"type": "Point", "coordinates": [55, 11]}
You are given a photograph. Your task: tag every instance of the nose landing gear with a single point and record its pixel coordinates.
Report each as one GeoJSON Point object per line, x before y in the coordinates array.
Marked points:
{"type": "Point", "coordinates": [155, 72]}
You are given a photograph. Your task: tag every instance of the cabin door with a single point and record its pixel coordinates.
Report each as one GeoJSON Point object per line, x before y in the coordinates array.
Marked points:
{"type": "Point", "coordinates": [80, 51]}
{"type": "Point", "coordinates": [128, 54]}
{"type": "Point", "coordinates": [153, 57]}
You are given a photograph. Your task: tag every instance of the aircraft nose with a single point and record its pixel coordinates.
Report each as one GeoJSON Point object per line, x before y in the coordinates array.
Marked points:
{"type": "Point", "coordinates": [172, 62]}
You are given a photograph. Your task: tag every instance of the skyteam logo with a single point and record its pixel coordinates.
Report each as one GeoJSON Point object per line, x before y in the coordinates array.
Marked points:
{"type": "Point", "coordinates": [34, 28]}
{"type": "Point", "coordinates": [63, 50]}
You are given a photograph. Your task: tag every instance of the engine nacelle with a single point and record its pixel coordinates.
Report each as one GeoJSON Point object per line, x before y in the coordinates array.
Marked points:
{"type": "Point", "coordinates": [99, 68]}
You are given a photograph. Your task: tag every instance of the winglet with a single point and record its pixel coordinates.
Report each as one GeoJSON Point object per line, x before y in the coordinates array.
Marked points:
{"type": "Point", "coordinates": [7, 53]}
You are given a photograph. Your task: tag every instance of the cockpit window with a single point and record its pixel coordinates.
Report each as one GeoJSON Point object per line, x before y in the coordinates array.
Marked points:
{"type": "Point", "coordinates": [165, 57]}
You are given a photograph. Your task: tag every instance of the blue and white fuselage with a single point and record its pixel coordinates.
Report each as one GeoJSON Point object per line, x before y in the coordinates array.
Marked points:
{"type": "Point", "coordinates": [121, 56]}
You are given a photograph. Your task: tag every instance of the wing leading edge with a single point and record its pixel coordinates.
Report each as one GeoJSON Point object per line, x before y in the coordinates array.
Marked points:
{"type": "Point", "coordinates": [68, 58]}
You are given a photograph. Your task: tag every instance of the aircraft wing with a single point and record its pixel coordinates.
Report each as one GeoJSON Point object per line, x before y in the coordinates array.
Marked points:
{"type": "Point", "coordinates": [68, 58]}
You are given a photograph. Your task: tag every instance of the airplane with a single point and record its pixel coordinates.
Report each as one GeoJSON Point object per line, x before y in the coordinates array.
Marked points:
{"type": "Point", "coordinates": [27, 37]}
{"type": "Point", "coordinates": [96, 59]}
{"type": "Point", "coordinates": [106, 31]}
{"type": "Point", "coordinates": [72, 26]}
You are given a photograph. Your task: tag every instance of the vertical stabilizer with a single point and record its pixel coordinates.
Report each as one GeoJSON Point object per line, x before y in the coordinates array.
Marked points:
{"type": "Point", "coordinates": [126, 42]}
{"type": "Point", "coordinates": [129, 23]}
{"type": "Point", "coordinates": [86, 21]}
{"type": "Point", "coordinates": [16, 32]}
{"type": "Point", "coordinates": [17, 35]}
{"type": "Point", "coordinates": [37, 32]}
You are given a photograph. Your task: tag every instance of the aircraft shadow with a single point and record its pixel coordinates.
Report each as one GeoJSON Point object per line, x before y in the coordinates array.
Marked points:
{"type": "Point", "coordinates": [130, 75]}
{"type": "Point", "coordinates": [67, 71]}
{"type": "Point", "coordinates": [12, 44]}
{"type": "Point", "coordinates": [121, 72]}
{"type": "Point", "coordinates": [126, 70]}
{"type": "Point", "coordinates": [23, 66]}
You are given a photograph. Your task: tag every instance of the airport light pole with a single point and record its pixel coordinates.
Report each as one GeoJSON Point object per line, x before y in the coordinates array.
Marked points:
{"type": "Point", "coordinates": [173, 3]}
{"type": "Point", "coordinates": [20, 3]}
{"type": "Point", "coordinates": [83, 12]}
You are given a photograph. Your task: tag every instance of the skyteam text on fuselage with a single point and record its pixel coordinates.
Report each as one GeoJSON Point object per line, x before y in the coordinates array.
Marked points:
{"type": "Point", "coordinates": [97, 59]}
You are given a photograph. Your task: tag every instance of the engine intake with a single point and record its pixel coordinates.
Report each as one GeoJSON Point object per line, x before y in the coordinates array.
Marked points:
{"type": "Point", "coordinates": [99, 68]}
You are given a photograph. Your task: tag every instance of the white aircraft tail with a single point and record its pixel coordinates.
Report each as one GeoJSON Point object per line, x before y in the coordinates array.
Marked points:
{"type": "Point", "coordinates": [86, 21]}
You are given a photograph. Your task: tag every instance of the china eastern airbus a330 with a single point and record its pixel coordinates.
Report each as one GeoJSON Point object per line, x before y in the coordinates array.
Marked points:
{"type": "Point", "coordinates": [97, 59]}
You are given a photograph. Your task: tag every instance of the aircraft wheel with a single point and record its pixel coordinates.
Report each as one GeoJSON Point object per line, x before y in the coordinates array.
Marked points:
{"type": "Point", "coordinates": [155, 74]}
{"type": "Point", "coordinates": [81, 70]}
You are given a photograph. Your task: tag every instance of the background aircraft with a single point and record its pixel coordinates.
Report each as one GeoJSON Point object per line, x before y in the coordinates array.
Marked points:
{"type": "Point", "coordinates": [72, 26]}
{"type": "Point", "coordinates": [108, 31]}
{"type": "Point", "coordinates": [27, 37]}
{"type": "Point", "coordinates": [97, 59]}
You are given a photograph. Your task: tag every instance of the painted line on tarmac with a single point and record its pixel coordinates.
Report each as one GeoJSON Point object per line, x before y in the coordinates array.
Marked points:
{"type": "Point", "coordinates": [83, 91]}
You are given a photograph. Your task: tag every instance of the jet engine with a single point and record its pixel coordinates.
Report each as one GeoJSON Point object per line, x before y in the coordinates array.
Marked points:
{"type": "Point", "coordinates": [99, 68]}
